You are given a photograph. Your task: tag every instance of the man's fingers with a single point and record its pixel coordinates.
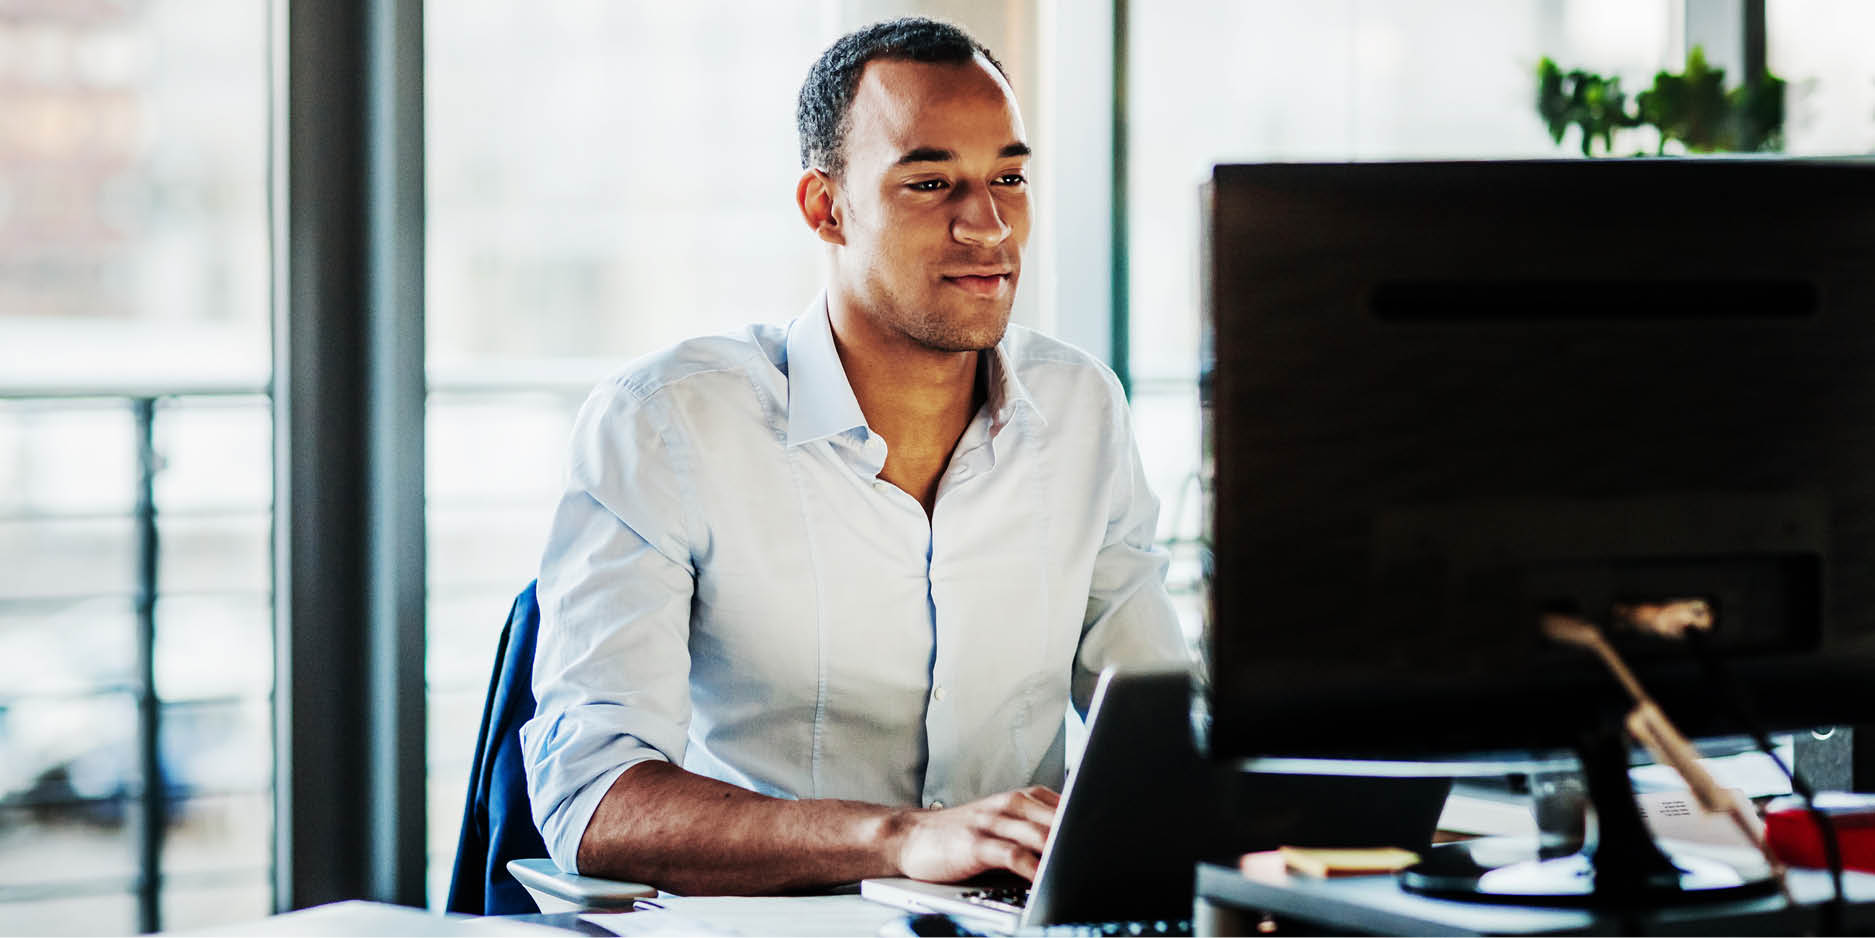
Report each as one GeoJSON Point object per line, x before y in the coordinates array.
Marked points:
{"type": "Point", "coordinates": [1007, 855]}
{"type": "Point", "coordinates": [1021, 831]}
{"type": "Point", "coordinates": [1036, 805]}
{"type": "Point", "coordinates": [1043, 794]}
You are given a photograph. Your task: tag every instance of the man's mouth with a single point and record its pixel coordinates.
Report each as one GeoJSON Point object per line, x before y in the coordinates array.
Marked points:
{"type": "Point", "coordinates": [979, 284]}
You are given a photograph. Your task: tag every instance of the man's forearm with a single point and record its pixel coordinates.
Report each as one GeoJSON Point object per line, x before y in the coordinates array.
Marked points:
{"type": "Point", "coordinates": [692, 835]}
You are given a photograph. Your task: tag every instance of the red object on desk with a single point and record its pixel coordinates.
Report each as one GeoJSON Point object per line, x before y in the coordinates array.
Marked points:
{"type": "Point", "coordinates": [1795, 840]}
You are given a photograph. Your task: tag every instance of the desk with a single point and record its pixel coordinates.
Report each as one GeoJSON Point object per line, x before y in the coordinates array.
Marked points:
{"type": "Point", "coordinates": [361, 917]}
{"type": "Point", "coordinates": [844, 915]}
{"type": "Point", "coordinates": [1231, 900]}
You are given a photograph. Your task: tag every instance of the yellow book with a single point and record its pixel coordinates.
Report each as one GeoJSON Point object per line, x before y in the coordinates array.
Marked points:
{"type": "Point", "coordinates": [1369, 861]}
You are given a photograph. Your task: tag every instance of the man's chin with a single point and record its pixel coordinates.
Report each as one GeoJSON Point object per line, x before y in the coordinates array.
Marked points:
{"type": "Point", "coordinates": [956, 336]}
{"type": "Point", "coordinates": [962, 344]}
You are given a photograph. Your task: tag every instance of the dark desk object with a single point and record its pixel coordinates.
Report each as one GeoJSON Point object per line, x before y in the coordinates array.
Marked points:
{"type": "Point", "coordinates": [1231, 902]}
{"type": "Point", "coordinates": [1441, 402]}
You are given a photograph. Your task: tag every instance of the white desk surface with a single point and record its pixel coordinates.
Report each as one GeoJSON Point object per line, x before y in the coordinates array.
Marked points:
{"type": "Point", "coordinates": [358, 917]}
{"type": "Point", "coordinates": [701, 915]}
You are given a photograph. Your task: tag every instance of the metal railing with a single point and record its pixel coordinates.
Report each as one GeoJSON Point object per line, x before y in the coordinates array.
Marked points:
{"type": "Point", "coordinates": [149, 807]}
{"type": "Point", "coordinates": [147, 802]}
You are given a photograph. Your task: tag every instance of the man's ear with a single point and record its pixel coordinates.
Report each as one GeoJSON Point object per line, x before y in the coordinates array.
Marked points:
{"type": "Point", "coordinates": [815, 196]}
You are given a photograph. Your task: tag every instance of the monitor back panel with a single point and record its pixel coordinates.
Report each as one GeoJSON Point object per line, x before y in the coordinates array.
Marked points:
{"type": "Point", "coordinates": [1443, 398]}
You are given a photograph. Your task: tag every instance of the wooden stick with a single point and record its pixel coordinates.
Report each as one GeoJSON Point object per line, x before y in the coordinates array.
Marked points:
{"type": "Point", "coordinates": [1648, 724]}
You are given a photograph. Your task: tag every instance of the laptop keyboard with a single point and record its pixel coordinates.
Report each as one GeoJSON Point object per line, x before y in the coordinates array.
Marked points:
{"type": "Point", "coordinates": [1013, 899]}
{"type": "Point", "coordinates": [1007, 899]}
{"type": "Point", "coordinates": [1117, 929]}
{"type": "Point", "coordinates": [936, 924]}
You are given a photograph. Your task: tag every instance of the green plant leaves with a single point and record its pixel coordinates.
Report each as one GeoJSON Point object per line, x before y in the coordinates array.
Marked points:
{"type": "Point", "coordinates": [1581, 99]}
{"type": "Point", "coordinates": [1692, 107]}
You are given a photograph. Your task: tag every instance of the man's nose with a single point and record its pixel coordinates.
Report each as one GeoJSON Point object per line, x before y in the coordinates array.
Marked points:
{"type": "Point", "coordinates": [978, 221]}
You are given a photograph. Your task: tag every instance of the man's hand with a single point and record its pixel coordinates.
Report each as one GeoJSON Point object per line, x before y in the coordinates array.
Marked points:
{"type": "Point", "coordinates": [1001, 832]}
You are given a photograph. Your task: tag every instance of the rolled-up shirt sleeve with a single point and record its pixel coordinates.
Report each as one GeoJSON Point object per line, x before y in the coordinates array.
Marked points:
{"type": "Point", "coordinates": [1130, 621]}
{"type": "Point", "coordinates": [611, 671]}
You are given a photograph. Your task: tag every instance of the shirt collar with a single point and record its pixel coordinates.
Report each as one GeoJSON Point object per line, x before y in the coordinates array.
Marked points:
{"type": "Point", "coordinates": [820, 399]}
{"type": "Point", "coordinates": [1007, 392]}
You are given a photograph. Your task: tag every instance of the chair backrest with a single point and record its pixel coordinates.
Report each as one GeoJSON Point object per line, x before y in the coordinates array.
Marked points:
{"type": "Point", "coordinates": [497, 824]}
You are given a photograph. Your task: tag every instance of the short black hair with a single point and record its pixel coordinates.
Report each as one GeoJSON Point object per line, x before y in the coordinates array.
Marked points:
{"type": "Point", "coordinates": [822, 116]}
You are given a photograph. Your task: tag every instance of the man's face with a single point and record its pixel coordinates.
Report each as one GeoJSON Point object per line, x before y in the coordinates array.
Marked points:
{"type": "Point", "coordinates": [934, 202]}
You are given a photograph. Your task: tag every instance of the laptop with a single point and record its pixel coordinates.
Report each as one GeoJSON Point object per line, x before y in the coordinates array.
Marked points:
{"type": "Point", "coordinates": [1142, 808]}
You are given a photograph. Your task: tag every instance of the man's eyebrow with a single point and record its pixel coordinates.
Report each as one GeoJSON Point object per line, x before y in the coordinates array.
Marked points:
{"type": "Point", "coordinates": [941, 155]}
{"type": "Point", "coordinates": [926, 155]}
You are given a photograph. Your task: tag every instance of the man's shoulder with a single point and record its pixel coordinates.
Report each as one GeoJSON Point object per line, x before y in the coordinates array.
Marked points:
{"type": "Point", "coordinates": [748, 356]}
{"type": "Point", "coordinates": [1041, 359]}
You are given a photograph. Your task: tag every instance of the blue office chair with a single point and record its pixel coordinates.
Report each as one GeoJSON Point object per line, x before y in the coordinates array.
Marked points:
{"type": "Point", "coordinates": [501, 863]}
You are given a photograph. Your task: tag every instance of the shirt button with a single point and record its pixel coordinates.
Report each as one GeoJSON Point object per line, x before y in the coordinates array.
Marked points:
{"type": "Point", "coordinates": [938, 694]}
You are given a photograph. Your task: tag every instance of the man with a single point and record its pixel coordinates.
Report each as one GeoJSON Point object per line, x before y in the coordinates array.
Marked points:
{"type": "Point", "coordinates": [816, 599]}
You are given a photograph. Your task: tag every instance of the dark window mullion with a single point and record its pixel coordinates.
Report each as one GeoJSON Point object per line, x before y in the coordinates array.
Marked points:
{"type": "Point", "coordinates": [347, 226]}
{"type": "Point", "coordinates": [1120, 349]}
{"type": "Point", "coordinates": [152, 812]}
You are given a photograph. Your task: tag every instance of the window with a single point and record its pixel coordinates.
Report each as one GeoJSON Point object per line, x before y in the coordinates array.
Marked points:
{"type": "Point", "coordinates": [135, 644]}
{"type": "Point", "coordinates": [1370, 80]}
{"type": "Point", "coordinates": [1350, 80]}
{"type": "Point", "coordinates": [1821, 48]}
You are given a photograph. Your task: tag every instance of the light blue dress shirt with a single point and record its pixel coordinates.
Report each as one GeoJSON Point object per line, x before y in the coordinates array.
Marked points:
{"type": "Point", "coordinates": [729, 585]}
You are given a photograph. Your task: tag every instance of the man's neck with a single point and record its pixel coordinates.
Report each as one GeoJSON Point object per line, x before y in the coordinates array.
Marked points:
{"type": "Point", "coordinates": [919, 399]}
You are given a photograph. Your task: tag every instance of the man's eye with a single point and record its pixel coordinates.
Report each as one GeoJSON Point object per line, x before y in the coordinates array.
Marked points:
{"type": "Point", "coordinates": [1011, 179]}
{"type": "Point", "coordinates": [926, 185]}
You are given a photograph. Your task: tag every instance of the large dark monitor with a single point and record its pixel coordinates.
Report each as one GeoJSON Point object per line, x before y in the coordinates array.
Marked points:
{"type": "Point", "coordinates": [1442, 399]}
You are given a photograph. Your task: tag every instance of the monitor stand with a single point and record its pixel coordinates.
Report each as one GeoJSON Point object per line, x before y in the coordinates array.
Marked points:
{"type": "Point", "coordinates": [1621, 867]}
